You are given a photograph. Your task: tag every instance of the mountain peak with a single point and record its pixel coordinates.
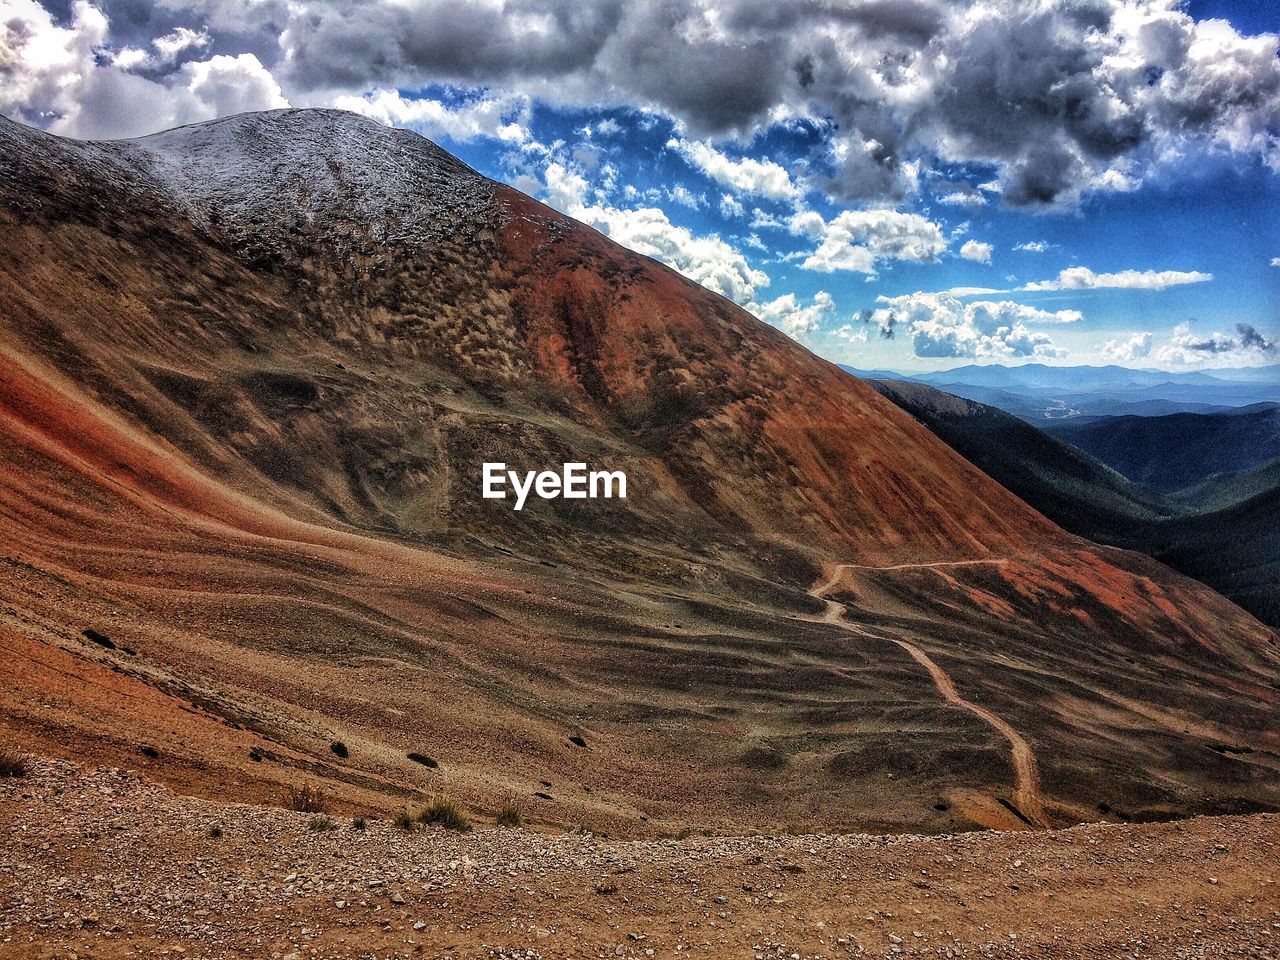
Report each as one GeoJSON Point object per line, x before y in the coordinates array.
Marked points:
{"type": "Point", "coordinates": [262, 179]}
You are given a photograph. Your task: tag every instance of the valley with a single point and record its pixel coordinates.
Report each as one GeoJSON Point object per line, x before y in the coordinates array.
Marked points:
{"type": "Point", "coordinates": [251, 371]}
{"type": "Point", "coordinates": [1190, 483]}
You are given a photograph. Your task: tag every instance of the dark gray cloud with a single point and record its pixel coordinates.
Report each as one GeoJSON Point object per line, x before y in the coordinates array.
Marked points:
{"type": "Point", "coordinates": [1251, 339]}
{"type": "Point", "coordinates": [1248, 339]}
{"type": "Point", "coordinates": [1059, 96]}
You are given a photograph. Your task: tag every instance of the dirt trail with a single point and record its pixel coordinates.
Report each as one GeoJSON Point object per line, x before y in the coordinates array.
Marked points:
{"type": "Point", "coordinates": [1028, 797]}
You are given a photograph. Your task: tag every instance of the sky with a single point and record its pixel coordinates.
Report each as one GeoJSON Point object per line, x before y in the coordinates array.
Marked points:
{"type": "Point", "coordinates": [897, 184]}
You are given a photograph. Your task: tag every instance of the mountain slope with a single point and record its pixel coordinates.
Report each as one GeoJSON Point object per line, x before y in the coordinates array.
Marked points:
{"type": "Point", "coordinates": [1065, 484]}
{"type": "Point", "coordinates": [1221, 532]}
{"type": "Point", "coordinates": [251, 370]}
{"type": "Point", "coordinates": [1170, 452]}
{"type": "Point", "coordinates": [1221, 490]}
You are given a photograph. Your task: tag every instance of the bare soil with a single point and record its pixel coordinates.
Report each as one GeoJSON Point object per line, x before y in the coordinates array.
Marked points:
{"type": "Point", "coordinates": [105, 864]}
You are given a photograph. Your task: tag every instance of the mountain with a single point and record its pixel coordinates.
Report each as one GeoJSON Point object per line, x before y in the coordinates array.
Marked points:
{"type": "Point", "coordinates": [1067, 485]}
{"type": "Point", "coordinates": [1039, 376]}
{"type": "Point", "coordinates": [1037, 392]}
{"type": "Point", "coordinates": [1168, 453]}
{"type": "Point", "coordinates": [251, 372]}
{"type": "Point", "coordinates": [1221, 490]}
{"type": "Point", "coordinates": [1221, 531]}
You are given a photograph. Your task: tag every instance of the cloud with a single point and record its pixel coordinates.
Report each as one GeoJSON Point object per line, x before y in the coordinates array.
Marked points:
{"type": "Point", "coordinates": [1187, 348]}
{"type": "Point", "coordinates": [499, 118]}
{"type": "Point", "coordinates": [1082, 278]}
{"type": "Point", "coordinates": [705, 259]}
{"type": "Point", "coordinates": [976, 251]}
{"type": "Point", "coordinates": [963, 198]}
{"type": "Point", "coordinates": [1032, 246]}
{"type": "Point", "coordinates": [787, 313]}
{"type": "Point", "coordinates": [1059, 99]}
{"type": "Point", "coordinates": [730, 206]}
{"type": "Point", "coordinates": [1275, 261]}
{"type": "Point", "coordinates": [168, 49]}
{"type": "Point", "coordinates": [858, 239]}
{"type": "Point", "coordinates": [685, 197]}
{"type": "Point", "coordinates": [1251, 339]}
{"type": "Point", "coordinates": [1136, 347]}
{"type": "Point", "coordinates": [940, 325]}
{"type": "Point", "coordinates": [757, 177]}
{"type": "Point", "coordinates": [58, 77]}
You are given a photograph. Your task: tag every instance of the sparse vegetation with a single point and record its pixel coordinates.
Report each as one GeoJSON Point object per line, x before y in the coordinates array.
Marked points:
{"type": "Point", "coordinates": [148, 751]}
{"type": "Point", "coordinates": [101, 639]}
{"type": "Point", "coordinates": [423, 759]}
{"type": "Point", "coordinates": [339, 749]}
{"type": "Point", "coordinates": [404, 820]}
{"type": "Point", "coordinates": [358, 823]}
{"type": "Point", "coordinates": [321, 824]}
{"type": "Point", "coordinates": [509, 816]}
{"type": "Point", "coordinates": [578, 740]}
{"type": "Point", "coordinates": [443, 812]}
{"type": "Point", "coordinates": [12, 764]}
{"type": "Point", "coordinates": [215, 832]}
{"type": "Point", "coordinates": [308, 799]}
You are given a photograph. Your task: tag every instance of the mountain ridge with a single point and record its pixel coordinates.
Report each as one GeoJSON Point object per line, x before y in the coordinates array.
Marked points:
{"type": "Point", "coordinates": [244, 443]}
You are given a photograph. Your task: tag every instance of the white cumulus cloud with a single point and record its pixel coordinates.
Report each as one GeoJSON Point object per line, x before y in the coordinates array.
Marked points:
{"type": "Point", "coordinates": [976, 251]}
{"type": "Point", "coordinates": [940, 325]}
{"type": "Point", "coordinates": [1082, 278]}
{"type": "Point", "coordinates": [858, 239]}
{"type": "Point", "coordinates": [747, 175]}
{"type": "Point", "coordinates": [1136, 347]}
{"type": "Point", "coordinates": [500, 118]}
{"type": "Point", "coordinates": [793, 317]}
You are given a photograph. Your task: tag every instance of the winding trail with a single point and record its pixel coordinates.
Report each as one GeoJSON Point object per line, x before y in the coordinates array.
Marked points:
{"type": "Point", "coordinates": [1028, 797]}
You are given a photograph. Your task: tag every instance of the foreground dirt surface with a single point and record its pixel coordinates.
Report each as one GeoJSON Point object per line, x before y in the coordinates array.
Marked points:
{"type": "Point", "coordinates": [103, 863]}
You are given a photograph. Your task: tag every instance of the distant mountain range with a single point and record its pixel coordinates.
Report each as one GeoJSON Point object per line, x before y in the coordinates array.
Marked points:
{"type": "Point", "coordinates": [1038, 392]}
{"type": "Point", "coordinates": [1085, 495]}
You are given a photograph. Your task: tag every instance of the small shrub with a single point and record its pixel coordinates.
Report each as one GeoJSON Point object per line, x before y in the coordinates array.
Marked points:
{"type": "Point", "coordinates": [215, 832]}
{"type": "Point", "coordinates": [424, 760]}
{"type": "Point", "coordinates": [308, 799]}
{"type": "Point", "coordinates": [578, 740]}
{"type": "Point", "coordinates": [358, 823]}
{"type": "Point", "coordinates": [101, 639]}
{"type": "Point", "coordinates": [443, 812]}
{"type": "Point", "coordinates": [509, 816]}
{"type": "Point", "coordinates": [320, 824]}
{"type": "Point", "coordinates": [404, 820]}
{"type": "Point", "coordinates": [12, 763]}
{"type": "Point", "coordinates": [339, 749]}
{"type": "Point", "coordinates": [148, 751]}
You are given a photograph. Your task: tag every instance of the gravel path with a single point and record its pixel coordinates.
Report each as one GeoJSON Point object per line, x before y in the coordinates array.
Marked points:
{"type": "Point", "coordinates": [104, 864]}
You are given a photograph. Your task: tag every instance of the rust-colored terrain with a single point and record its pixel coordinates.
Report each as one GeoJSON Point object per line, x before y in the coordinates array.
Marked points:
{"type": "Point", "coordinates": [249, 372]}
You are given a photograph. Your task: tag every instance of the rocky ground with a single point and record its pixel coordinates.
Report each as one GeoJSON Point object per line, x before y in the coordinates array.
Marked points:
{"type": "Point", "coordinates": [105, 864]}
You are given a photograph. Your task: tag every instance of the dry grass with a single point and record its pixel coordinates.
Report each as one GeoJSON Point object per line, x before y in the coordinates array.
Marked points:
{"type": "Point", "coordinates": [308, 799]}
{"type": "Point", "coordinates": [509, 816]}
{"type": "Point", "coordinates": [12, 763]}
{"type": "Point", "coordinates": [443, 812]}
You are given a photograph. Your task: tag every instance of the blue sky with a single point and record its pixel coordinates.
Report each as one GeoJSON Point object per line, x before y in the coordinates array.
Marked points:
{"type": "Point", "coordinates": [1220, 219]}
{"type": "Point", "coordinates": [909, 184]}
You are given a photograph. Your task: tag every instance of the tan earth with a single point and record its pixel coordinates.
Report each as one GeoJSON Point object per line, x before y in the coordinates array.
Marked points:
{"type": "Point", "coordinates": [249, 371]}
{"type": "Point", "coordinates": [104, 864]}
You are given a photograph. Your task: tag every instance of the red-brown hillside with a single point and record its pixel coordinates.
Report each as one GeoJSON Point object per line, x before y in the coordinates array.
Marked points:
{"type": "Point", "coordinates": [250, 371]}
